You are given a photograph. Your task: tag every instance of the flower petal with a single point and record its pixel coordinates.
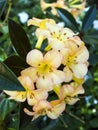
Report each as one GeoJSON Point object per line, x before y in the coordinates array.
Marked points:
{"type": "Point", "coordinates": [34, 57]}
{"type": "Point", "coordinates": [79, 70]}
{"type": "Point", "coordinates": [31, 72]}
{"type": "Point", "coordinates": [82, 55]}
{"type": "Point", "coordinates": [56, 111]}
{"type": "Point", "coordinates": [44, 82]}
{"type": "Point", "coordinates": [57, 76]}
{"type": "Point", "coordinates": [68, 74]}
{"type": "Point", "coordinates": [54, 58]}
{"type": "Point", "coordinates": [26, 82]}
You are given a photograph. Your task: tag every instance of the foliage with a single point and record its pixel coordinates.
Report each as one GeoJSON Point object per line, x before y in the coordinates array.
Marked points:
{"type": "Point", "coordinates": [16, 40]}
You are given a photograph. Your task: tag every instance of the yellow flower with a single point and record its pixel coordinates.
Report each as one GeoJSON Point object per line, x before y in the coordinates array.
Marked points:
{"type": "Point", "coordinates": [41, 23]}
{"type": "Point", "coordinates": [43, 69]}
{"type": "Point", "coordinates": [52, 109]}
{"type": "Point", "coordinates": [75, 60]}
{"type": "Point", "coordinates": [30, 94]}
{"type": "Point", "coordinates": [59, 4]}
{"type": "Point", "coordinates": [75, 7]}
{"type": "Point", "coordinates": [56, 35]}
{"type": "Point", "coordinates": [69, 92]}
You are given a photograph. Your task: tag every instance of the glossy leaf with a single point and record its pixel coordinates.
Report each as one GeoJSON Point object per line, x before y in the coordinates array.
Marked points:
{"type": "Point", "coordinates": [89, 18]}
{"type": "Point", "coordinates": [93, 59]}
{"type": "Point", "coordinates": [68, 19]}
{"type": "Point", "coordinates": [19, 38]}
{"type": "Point", "coordinates": [8, 80]}
{"type": "Point", "coordinates": [2, 6]}
{"type": "Point", "coordinates": [6, 106]}
{"type": "Point", "coordinates": [16, 64]}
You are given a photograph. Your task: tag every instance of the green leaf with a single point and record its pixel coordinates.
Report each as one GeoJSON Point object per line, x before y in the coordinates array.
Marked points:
{"type": "Point", "coordinates": [68, 19]}
{"type": "Point", "coordinates": [19, 38]}
{"type": "Point", "coordinates": [6, 106]}
{"type": "Point", "coordinates": [54, 125]}
{"type": "Point", "coordinates": [94, 122]}
{"type": "Point", "coordinates": [2, 6]}
{"type": "Point", "coordinates": [8, 80]}
{"type": "Point", "coordinates": [93, 59]}
{"type": "Point", "coordinates": [16, 64]}
{"type": "Point", "coordinates": [30, 126]}
{"type": "Point", "coordinates": [89, 18]}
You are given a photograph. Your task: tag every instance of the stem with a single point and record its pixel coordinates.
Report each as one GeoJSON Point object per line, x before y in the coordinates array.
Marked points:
{"type": "Point", "coordinates": [65, 125]}
{"type": "Point", "coordinates": [8, 11]}
{"type": "Point", "coordinates": [74, 116]}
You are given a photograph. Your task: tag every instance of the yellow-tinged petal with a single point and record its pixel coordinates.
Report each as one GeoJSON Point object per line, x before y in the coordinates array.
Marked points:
{"type": "Point", "coordinates": [68, 74]}
{"type": "Point", "coordinates": [17, 96]}
{"type": "Point", "coordinates": [34, 57]}
{"type": "Point", "coordinates": [31, 72]}
{"type": "Point", "coordinates": [79, 70]}
{"type": "Point", "coordinates": [54, 58]}
{"type": "Point", "coordinates": [44, 82]}
{"type": "Point", "coordinates": [39, 42]}
{"type": "Point", "coordinates": [34, 96]}
{"type": "Point", "coordinates": [57, 89]}
{"type": "Point", "coordinates": [73, 101]}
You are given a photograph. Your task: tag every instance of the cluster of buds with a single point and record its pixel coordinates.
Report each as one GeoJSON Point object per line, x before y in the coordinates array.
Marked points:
{"type": "Point", "coordinates": [75, 7]}
{"type": "Point", "coordinates": [59, 70]}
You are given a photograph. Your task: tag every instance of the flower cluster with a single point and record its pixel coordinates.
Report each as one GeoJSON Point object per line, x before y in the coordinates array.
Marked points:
{"type": "Point", "coordinates": [59, 70]}
{"type": "Point", "coordinates": [75, 7]}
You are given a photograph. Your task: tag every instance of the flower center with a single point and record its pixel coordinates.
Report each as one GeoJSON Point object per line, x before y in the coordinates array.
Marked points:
{"type": "Point", "coordinates": [59, 35]}
{"type": "Point", "coordinates": [44, 68]}
{"type": "Point", "coordinates": [71, 60]}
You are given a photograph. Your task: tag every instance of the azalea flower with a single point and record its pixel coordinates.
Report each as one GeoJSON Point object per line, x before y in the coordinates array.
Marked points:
{"type": "Point", "coordinates": [30, 94]}
{"type": "Point", "coordinates": [75, 60]}
{"type": "Point", "coordinates": [52, 109]}
{"type": "Point", "coordinates": [43, 69]}
{"type": "Point", "coordinates": [41, 24]}
{"type": "Point", "coordinates": [69, 92]}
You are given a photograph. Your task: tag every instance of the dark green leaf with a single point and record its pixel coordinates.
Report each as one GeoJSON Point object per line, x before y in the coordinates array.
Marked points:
{"type": "Point", "coordinates": [6, 106]}
{"type": "Point", "coordinates": [68, 19]}
{"type": "Point", "coordinates": [19, 38]}
{"type": "Point", "coordinates": [2, 6]}
{"type": "Point", "coordinates": [93, 59]}
{"type": "Point", "coordinates": [16, 64]}
{"type": "Point", "coordinates": [30, 126]}
{"type": "Point", "coordinates": [55, 125]}
{"type": "Point", "coordinates": [89, 18]}
{"type": "Point", "coordinates": [94, 122]}
{"type": "Point", "coordinates": [8, 80]}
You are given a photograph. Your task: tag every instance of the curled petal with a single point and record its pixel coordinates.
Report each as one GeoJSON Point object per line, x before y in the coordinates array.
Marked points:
{"type": "Point", "coordinates": [26, 82]}
{"type": "Point", "coordinates": [34, 58]}
{"type": "Point", "coordinates": [56, 111]}
{"type": "Point", "coordinates": [17, 96]}
{"type": "Point", "coordinates": [79, 70]}
{"type": "Point", "coordinates": [54, 58]}
{"type": "Point", "coordinates": [31, 72]}
{"type": "Point", "coordinates": [68, 74]}
{"type": "Point", "coordinates": [44, 82]}
{"type": "Point", "coordinates": [73, 101]}
{"type": "Point", "coordinates": [42, 105]}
